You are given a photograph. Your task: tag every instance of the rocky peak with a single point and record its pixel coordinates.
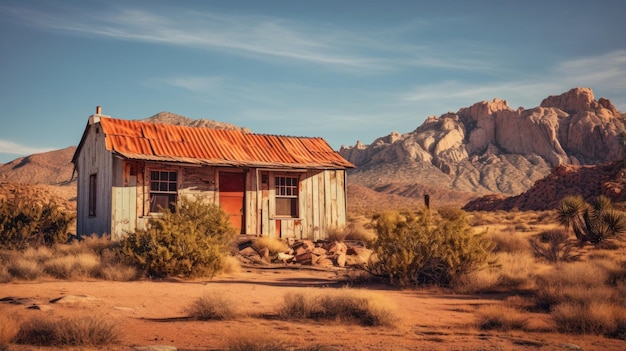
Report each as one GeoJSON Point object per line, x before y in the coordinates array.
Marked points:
{"type": "Point", "coordinates": [175, 119]}
{"type": "Point", "coordinates": [579, 100]}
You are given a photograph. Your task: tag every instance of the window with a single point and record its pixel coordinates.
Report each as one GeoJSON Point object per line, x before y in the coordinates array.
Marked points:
{"type": "Point", "coordinates": [163, 190]}
{"type": "Point", "coordinates": [92, 194]}
{"type": "Point", "coordinates": [287, 196]}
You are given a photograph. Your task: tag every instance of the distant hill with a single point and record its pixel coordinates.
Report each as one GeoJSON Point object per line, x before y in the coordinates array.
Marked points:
{"type": "Point", "coordinates": [589, 181]}
{"type": "Point", "coordinates": [489, 148]}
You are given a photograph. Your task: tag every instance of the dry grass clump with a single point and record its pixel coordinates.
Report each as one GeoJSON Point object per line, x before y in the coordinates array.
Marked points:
{"type": "Point", "coordinates": [273, 245]}
{"type": "Point", "coordinates": [75, 331]}
{"type": "Point", "coordinates": [263, 342]}
{"type": "Point", "coordinates": [8, 330]}
{"type": "Point", "coordinates": [582, 281]}
{"type": "Point", "coordinates": [511, 271]}
{"type": "Point", "coordinates": [503, 318]}
{"type": "Point", "coordinates": [91, 257]}
{"type": "Point", "coordinates": [344, 306]}
{"type": "Point", "coordinates": [509, 241]}
{"type": "Point", "coordinates": [213, 306]}
{"type": "Point", "coordinates": [596, 317]}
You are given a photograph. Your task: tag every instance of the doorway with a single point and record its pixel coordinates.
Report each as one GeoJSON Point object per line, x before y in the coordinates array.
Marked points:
{"type": "Point", "coordinates": [232, 196]}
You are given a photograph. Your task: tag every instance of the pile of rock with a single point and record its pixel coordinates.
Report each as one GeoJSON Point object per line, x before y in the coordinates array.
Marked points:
{"type": "Point", "coordinates": [306, 252]}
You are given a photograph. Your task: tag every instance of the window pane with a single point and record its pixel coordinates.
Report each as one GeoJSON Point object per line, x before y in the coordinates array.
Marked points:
{"type": "Point", "coordinates": [164, 175]}
{"type": "Point", "coordinates": [154, 186]}
{"type": "Point", "coordinates": [172, 187]}
{"type": "Point", "coordinates": [154, 175]}
{"type": "Point", "coordinates": [172, 176]}
{"type": "Point", "coordinates": [163, 186]}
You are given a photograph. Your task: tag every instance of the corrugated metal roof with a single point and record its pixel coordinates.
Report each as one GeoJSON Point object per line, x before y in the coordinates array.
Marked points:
{"type": "Point", "coordinates": [195, 145]}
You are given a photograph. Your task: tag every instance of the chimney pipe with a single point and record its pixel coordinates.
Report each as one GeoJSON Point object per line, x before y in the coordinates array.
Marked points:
{"type": "Point", "coordinates": [98, 110]}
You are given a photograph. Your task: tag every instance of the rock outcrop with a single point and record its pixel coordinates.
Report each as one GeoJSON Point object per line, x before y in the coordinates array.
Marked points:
{"type": "Point", "coordinates": [491, 148]}
{"type": "Point", "coordinates": [589, 181]}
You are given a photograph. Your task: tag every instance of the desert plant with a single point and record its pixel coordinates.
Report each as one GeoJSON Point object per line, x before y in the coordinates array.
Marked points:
{"type": "Point", "coordinates": [8, 330]}
{"type": "Point", "coordinates": [554, 246]}
{"type": "Point", "coordinates": [76, 331]}
{"type": "Point", "coordinates": [273, 245]}
{"type": "Point", "coordinates": [212, 307]}
{"type": "Point", "coordinates": [191, 240]}
{"type": "Point", "coordinates": [24, 222]}
{"type": "Point", "coordinates": [414, 248]}
{"type": "Point", "coordinates": [492, 317]}
{"type": "Point", "coordinates": [508, 241]}
{"type": "Point", "coordinates": [345, 306]}
{"type": "Point", "coordinates": [594, 222]}
{"type": "Point", "coordinates": [597, 317]}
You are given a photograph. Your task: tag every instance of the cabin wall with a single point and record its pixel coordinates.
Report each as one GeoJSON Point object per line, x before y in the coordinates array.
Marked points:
{"type": "Point", "coordinates": [94, 159]}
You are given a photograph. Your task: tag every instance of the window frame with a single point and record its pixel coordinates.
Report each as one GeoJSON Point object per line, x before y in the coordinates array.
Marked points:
{"type": "Point", "coordinates": [162, 186]}
{"type": "Point", "coordinates": [287, 195]}
{"type": "Point", "coordinates": [93, 195]}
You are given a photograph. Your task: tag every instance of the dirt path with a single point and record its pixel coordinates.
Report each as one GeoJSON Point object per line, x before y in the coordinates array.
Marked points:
{"type": "Point", "coordinates": [152, 313]}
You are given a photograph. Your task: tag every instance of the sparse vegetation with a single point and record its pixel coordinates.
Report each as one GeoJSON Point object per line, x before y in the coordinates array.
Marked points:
{"type": "Point", "coordinates": [591, 223]}
{"type": "Point", "coordinates": [495, 317]}
{"type": "Point", "coordinates": [75, 331]}
{"type": "Point", "coordinates": [273, 245]}
{"type": "Point", "coordinates": [345, 306]}
{"type": "Point", "coordinates": [190, 241]}
{"type": "Point", "coordinates": [77, 260]}
{"type": "Point", "coordinates": [212, 307]}
{"type": "Point", "coordinates": [416, 248]}
{"type": "Point", "coordinates": [554, 246]}
{"type": "Point", "coordinates": [24, 223]}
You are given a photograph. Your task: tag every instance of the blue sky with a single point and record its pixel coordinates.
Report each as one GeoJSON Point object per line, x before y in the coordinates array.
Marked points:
{"type": "Point", "coordinates": [342, 70]}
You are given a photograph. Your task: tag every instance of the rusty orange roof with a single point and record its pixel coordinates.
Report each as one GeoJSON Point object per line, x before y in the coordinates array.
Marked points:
{"type": "Point", "coordinates": [196, 145]}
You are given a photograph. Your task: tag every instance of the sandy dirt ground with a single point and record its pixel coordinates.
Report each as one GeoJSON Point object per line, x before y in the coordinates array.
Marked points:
{"type": "Point", "coordinates": [153, 313]}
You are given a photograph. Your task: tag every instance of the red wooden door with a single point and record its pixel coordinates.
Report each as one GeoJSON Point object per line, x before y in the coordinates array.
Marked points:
{"type": "Point", "coordinates": [232, 189]}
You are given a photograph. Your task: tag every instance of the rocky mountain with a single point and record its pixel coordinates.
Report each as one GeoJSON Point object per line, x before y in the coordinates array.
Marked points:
{"type": "Point", "coordinates": [589, 181]}
{"type": "Point", "coordinates": [491, 148]}
{"type": "Point", "coordinates": [172, 118]}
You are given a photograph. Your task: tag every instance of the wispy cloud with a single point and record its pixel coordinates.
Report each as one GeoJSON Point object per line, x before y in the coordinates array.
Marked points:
{"type": "Point", "coordinates": [9, 147]}
{"type": "Point", "coordinates": [257, 37]}
{"type": "Point", "coordinates": [605, 72]}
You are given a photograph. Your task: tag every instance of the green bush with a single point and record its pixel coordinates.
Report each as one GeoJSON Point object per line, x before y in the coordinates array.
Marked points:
{"type": "Point", "coordinates": [24, 222]}
{"type": "Point", "coordinates": [190, 241]}
{"type": "Point", "coordinates": [415, 248]}
{"type": "Point", "coordinates": [592, 222]}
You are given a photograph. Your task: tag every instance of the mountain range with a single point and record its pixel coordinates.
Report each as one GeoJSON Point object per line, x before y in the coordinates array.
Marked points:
{"type": "Point", "coordinates": [482, 156]}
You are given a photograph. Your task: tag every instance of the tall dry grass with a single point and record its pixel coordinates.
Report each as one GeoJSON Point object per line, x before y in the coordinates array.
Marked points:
{"type": "Point", "coordinates": [8, 331]}
{"type": "Point", "coordinates": [215, 306]}
{"type": "Point", "coordinates": [62, 332]}
{"type": "Point", "coordinates": [92, 257]}
{"type": "Point", "coordinates": [345, 305]}
{"type": "Point", "coordinates": [273, 245]}
{"type": "Point", "coordinates": [503, 318]}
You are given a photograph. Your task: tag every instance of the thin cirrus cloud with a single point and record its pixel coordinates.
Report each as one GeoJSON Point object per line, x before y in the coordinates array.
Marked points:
{"type": "Point", "coordinates": [257, 37]}
{"type": "Point", "coordinates": [601, 71]}
{"type": "Point", "coordinates": [11, 148]}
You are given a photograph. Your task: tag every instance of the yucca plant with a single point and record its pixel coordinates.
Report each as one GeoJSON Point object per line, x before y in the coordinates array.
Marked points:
{"type": "Point", "coordinates": [591, 223]}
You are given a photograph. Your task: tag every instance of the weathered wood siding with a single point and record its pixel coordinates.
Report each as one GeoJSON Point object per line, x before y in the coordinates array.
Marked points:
{"type": "Point", "coordinates": [94, 159]}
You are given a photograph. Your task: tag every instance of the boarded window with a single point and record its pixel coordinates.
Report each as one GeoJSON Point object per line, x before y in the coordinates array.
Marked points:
{"type": "Point", "coordinates": [287, 196]}
{"type": "Point", "coordinates": [93, 190]}
{"type": "Point", "coordinates": [163, 190]}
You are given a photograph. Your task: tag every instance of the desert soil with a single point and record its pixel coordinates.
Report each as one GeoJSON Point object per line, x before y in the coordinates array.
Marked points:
{"type": "Point", "coordinates": [153, 313]}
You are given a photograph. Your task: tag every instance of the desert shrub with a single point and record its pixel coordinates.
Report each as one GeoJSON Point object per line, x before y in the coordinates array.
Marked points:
{"type": "Point", "coordinates": [73, 266]}
{"type": "Point", "coordinates": [508, 241]}
{"type": "Point", "coordinates": [273, 245]}
{"type": "Point", "coordinates": [213, 306]}
{"type": "Point", "coordinates": [416, 248]}
{"type": "Point", "coordinates": [592, 222]}
{"type": "Point", "coordinates": [509, 271]}
{"type": "Point", "coordinates": [23, 268]}
{"type": "Point", "coordinates": [262, 342]}
{"type": "Point", "coordinates": [344, 306]}
{"type": "Point", "coordinates": [580, 282]}
{"type": "Point", "coordinates": [190, 240]}
{"type": "Point", "coordinates": [76, 331]}
{"type": "Point", "coordinates": [504, 318]}
{"type": "Point", "coordinates": [24, 222]}
{"type": "Point", "coordinates": [8, 330]}
{"type": "Point", "coordinates": [597, 317]}
{"type": "Point", "coordinates": [553, 246]}
{"type": "Point", "coordinates": [337, 234]}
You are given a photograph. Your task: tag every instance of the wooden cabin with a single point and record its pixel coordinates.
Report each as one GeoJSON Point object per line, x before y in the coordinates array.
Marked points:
{"type": "Point", "coordinates": [269, 185]}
